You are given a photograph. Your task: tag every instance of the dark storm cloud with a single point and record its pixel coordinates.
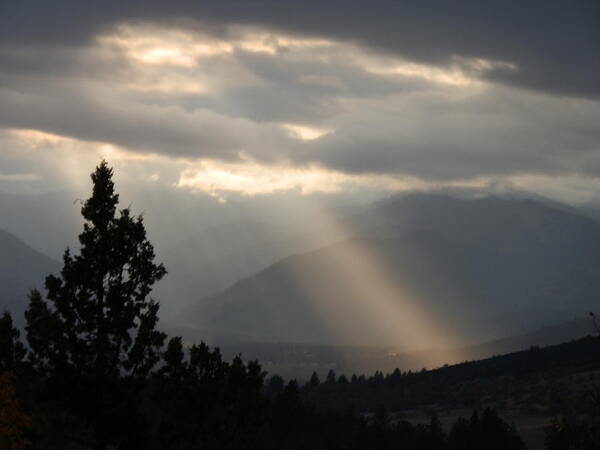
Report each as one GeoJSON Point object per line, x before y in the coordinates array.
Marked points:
{"type": "Point", "coordinates": [79, 93]}
{"type": "Point", "coordinates": [554, 44]}
{"type": "Point", "coordinates": [102, 116]}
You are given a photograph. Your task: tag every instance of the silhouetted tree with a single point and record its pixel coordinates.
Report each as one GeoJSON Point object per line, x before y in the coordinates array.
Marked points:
{"type": "Point", "coordinates": [97, 319]}
{"type": "Point", "coordinates": [275, 386]}
{"type": "Point", "coordinates": [331, 377]}
{"type": "Point", "coordinates": [595, 323]}
{"type": "Point", "coordinates": [490, 431]}
{"type": "Point", "coordinates": [12, 351]}
{"type": "Point", "coordinates": [95, 332]}
{"type": "Point", "coordinates": [459, 437]}
{"type": "Point", "coordinates": [314, 380]}
{"type": "Point", "coordinates": [436, 434]}
{"type": "Point", "coordinates": [206, 402]}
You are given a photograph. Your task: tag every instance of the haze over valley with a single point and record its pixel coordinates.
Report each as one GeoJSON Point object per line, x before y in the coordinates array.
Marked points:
{"type": "Point", "coordinates": [484, 267]}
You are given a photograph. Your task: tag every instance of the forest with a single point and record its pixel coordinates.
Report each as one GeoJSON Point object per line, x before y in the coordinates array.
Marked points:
{"type": "Point", "coordinates": [92, 370]}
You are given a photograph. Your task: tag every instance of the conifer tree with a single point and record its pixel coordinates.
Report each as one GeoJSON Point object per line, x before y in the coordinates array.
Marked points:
{"type": "Point", "coordinates": [331, 378]}
{"type": "Point", "coordinates": [98, 321]}
{"type": "Point", "coordinates": [93, 339]}
{"type": "Point", "coordinates": [12, 351]}
{"type": "Point", "coordinates": [314, 381]}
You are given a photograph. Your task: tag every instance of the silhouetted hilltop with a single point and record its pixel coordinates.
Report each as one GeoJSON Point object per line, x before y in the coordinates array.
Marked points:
{"type": "Point", "coordinates": [546, 379]}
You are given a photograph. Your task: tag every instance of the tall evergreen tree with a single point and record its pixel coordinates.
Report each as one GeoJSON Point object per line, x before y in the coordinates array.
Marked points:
{"type": "Point", "coordinates": [98, 319]}
{"type": "Point", "coordinates": [95, 333]}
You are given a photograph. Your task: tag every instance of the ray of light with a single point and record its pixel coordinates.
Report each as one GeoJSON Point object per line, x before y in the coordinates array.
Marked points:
{"type": "Point", "coordinates": [362, 301]}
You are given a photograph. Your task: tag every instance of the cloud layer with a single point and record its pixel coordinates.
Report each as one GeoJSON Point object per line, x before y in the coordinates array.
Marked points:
{"type": "Point", "coordinates": [432, 92]}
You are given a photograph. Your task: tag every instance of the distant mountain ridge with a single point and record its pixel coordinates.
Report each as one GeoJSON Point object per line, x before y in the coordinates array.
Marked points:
{"type": "Point", "coordinates": [491, 267]}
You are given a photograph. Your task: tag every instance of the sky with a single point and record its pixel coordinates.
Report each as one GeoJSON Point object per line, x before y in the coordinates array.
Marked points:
{"type": "Point", "coordinates": [246, 99]}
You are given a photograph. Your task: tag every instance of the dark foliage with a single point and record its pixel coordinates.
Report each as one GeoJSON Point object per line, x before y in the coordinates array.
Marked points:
{"type": "Point", "coordinates": [94, 336]}
{"type": "Point", "coordinates": [202, 400]}
{"type": "Point", "coordinates": [483, 431]}
{"type": "Point", "coordinates": [531, 376]}
{"type": "Point", "coordinates": [573, 435]}
{"type": "Point", "coordinates": [12, 351]}
{"type": "Point", "coordinates": [98, 321]}
{"type": "Point", "coordinates": [295, 425]}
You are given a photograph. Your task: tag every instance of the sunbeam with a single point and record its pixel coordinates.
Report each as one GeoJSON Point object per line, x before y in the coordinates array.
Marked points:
{"type": "Point", "coordinates": [363, 302]}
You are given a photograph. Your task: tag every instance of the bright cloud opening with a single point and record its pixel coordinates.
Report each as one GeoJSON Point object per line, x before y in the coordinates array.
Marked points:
{"type": "Point", "coordinates": [250, 178]}
{"type": "Point", "coordinates": [305, 133]}
{"type": "Point", "coordinates": [159, 45]}
{"type": "Point", "coordinates": [463, 72]}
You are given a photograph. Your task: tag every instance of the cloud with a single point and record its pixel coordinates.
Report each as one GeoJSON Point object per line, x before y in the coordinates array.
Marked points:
{"type": "Point", "coordinates": [421, 92]}
{"type": "Point", "coordinates": [95, 114]}
{"type": "Point", "coordinates": [440, 135]}
{"type": "Point", "coordinates": [251, 178]}
{"type": "Point", "coordinates": [37, 162]}
{"type": "Point", "coordinates": [548, 41]}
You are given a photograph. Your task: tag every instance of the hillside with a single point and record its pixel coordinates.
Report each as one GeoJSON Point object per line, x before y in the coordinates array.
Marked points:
{"type": "Point", "coordinates": [488, 267]}
{"type": "Point", "coordinates": [475, 383]}
{"type": "Point", "coordinates": [215, 258]}
{"type": "Point", "coordinates": [530, 388]}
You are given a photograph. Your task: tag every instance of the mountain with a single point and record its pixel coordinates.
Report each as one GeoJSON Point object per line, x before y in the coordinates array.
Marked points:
{"type": "Point", "coordinates": [214, 258]}
{"type": "Point", "coordinates": [21, 269]}
{"type": "Point", "coordinates": [471, 269]}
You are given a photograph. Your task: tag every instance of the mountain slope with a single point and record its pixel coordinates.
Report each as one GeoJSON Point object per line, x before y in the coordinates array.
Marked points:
{"type": "Point", "coordinates": [214, 258]}
{"type": "Point", "coordinates": [21, 269]}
